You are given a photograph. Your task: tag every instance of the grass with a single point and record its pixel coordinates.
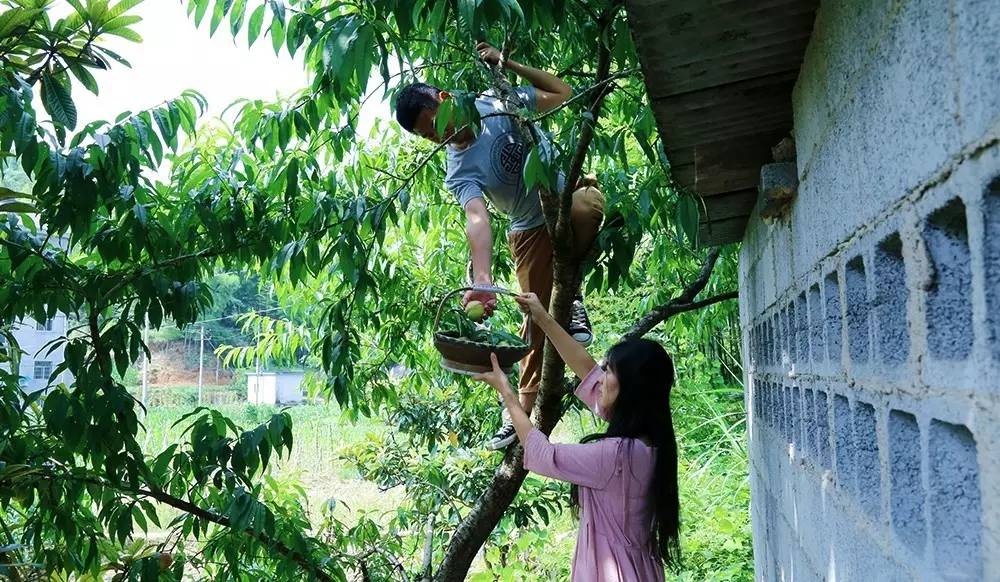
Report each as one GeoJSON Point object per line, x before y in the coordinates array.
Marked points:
{"type": "Point", "coordinates": [319, 435]}
{"type": "Point", "coordinates": [713, 475]}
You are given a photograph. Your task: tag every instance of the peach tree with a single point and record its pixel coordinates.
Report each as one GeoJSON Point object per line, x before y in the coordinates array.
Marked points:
{"type": "Point", "coordinates": [356, 229]}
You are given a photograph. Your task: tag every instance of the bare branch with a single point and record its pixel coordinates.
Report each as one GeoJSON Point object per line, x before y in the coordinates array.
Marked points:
{"type": "Point", "coordinates": [670, 309]}
{"type": "Point", "coordinates": [425, 569]}
{"type": "Point", "coordinates": [683, 302]}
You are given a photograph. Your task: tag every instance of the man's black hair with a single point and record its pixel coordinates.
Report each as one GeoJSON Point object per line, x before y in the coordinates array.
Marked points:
{"type": "Point", "coordinates": [411, 100]}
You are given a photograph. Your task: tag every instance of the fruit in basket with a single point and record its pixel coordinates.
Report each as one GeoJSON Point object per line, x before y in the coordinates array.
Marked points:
{"type": "Point", "coordinates": [458, 324]}
{"type": "Point", "coordinates": [475, 310]}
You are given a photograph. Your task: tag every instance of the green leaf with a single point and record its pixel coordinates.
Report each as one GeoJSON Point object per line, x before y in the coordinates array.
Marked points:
{"type": "Point", "coordinates": [624, 47]}
{"type": "Point", "coordinates": [218, 13]}
{"type": "Point", "coordinates": [17, 207]}
{"type": "Point", "coordinates": [467, 12]}
{"type": "Point", "coordinates": [121, 22]}
{"type": "Point", "coordinates": [256, 22]}
{"type": "Point", "coordinates": [122, 7]}
{"type": "Point", "coordinates": [55, 408]}
{"type": "Point", "coordinates": [445, 113]}
{"type": "Point", "coordinates": [687, 217]}
{"type": "Point", "coordinates": [293, 34]}
{"type": "Point", "coordinates": [113, 55]}
{"type": "Point", "coordinates": [58, 102]}
{"type": "Point", "coordinates": [292, 181]}
{"type": "Point", "coordinates": [167, 129]}
{"type": "Point", "coordinates": [86, 79]}
{"type": "Point", "coordinates": [278, 8]}
{"type": "Point", "coordinates": [277, 32]}
{"type": "Point", "coordinates": [11, 19]}
{"type": "Point", "coordinates": [150, 569]}
{"type": "Point", "coordinates": [126, 33]}
{"type": "Point", "coordinates": [404, 18]}
{"type": "Point", "coordinates": [201, 7]}
{"type": "Point", "coordinates": [8, 194]}
{"type": "Point", "coordinates": [236, 15]}
{"type": "Point", "coordinates": [512, 7]}
{"type": "Point", "coordinates": [535, 172]}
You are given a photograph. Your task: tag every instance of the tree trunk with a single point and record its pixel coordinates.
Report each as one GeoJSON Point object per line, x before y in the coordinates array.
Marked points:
{"type": "Point", "coordinates": [472, 533]}
{"type": "Point", "coordinates": [489, 509]}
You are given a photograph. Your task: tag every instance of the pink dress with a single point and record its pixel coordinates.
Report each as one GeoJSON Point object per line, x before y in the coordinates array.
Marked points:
{"type": "Point", "coordinates": [614, 475]}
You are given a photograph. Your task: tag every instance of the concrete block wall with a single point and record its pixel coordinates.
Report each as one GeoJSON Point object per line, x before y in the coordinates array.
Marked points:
{"type": "Point", "coordinates": [871, 314]}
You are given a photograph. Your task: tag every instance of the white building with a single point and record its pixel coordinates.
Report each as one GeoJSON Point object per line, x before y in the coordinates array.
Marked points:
{"type": "Point", "coordinates": [282, 387]}
{"type": "Point", "coordinates": [39, 356]}
{"type": "Point", "coordinates": [37, 361]}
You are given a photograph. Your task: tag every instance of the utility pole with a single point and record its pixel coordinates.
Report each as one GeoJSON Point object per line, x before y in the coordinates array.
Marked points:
{"type": "Point", "coordinates": [201, 361]}
{"type": "Point", "coordinates": [145, 365]}
{"type": "Point", "coordinates": [216, 369]}
{"type": "Point", "coordinates": [256, 385]}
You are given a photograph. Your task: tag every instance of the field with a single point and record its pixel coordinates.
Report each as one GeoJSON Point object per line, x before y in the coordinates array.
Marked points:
{"type": "Point", "coordinates": [714, 488]}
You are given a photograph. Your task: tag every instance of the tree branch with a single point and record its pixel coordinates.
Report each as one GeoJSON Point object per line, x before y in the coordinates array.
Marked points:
{"type": "Point", "coordinates": [222, 520]}
{"type": "Point", "coordinates": [425, 569]}
{"type": "Point", "coordinates": [682, 302]}
{"type": "Point", "coordinates": [201, 513]}
{"type": "Point", "coordinates": [670, 309]}
{"type": "Point", "coordinates": [696, 286]}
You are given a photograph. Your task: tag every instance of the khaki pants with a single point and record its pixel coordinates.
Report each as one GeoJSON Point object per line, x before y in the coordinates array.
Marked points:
{"type": "Point", "coordinates": [532, 250]}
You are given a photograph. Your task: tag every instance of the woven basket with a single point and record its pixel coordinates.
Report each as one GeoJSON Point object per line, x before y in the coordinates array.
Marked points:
{"type": "Point", "coordinates": [464, 356]}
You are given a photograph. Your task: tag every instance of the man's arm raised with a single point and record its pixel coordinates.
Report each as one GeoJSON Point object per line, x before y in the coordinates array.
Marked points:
{"type": "Point", "coordinates": [550, 90]}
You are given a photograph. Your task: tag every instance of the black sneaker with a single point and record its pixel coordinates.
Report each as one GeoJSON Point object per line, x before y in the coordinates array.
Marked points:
{"type": "Point", "coordinates": [579, 323]}
{"type": "Point", "coordinates": [503, 437]}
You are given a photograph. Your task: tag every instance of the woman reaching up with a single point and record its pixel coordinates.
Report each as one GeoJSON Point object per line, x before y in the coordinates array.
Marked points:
{"type": "Point", "coordinates": [624, 479]}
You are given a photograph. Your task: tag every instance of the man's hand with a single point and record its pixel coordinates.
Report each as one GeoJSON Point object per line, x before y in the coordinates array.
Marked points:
{"type": "Point", "coordinates": [487, 298]}
{"type": "Point", "coordinates": [488, 53]}
{"type": "Point", "coordinates": [550, 91]}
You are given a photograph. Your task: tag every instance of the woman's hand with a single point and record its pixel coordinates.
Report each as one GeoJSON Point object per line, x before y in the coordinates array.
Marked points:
{"type": "Point", "coordinates": [530, 304]}
{"type": "Point", "coordinates": [498, 379]}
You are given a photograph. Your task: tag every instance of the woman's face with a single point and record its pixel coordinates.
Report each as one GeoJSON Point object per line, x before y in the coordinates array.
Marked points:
{"type": "Point", "coordinates": [609, 388]}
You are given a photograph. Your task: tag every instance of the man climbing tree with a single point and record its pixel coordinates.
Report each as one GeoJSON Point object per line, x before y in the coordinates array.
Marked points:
{"type": "Point", "coordinates": [489, 164]}
{"type": "Point", "coordinates": [292, 190]}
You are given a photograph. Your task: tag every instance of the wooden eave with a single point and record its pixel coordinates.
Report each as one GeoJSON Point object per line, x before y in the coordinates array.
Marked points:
{"type": "Point", "coordinates": [719, 74]}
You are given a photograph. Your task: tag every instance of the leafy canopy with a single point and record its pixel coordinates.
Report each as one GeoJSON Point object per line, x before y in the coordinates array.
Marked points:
{"type": "Point", "coordinates": [355, 231]}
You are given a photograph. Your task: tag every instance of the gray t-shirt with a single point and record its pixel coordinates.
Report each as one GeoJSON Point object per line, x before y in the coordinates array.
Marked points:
{"type": "Point", "coordinates": [493, 164]}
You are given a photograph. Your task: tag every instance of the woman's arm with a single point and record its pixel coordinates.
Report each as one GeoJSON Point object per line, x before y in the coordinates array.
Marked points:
{"type": "Point", "coordinates": [591, 465]}
{"type": "Point", "coordinates": [497, 379]}
{"type": "Point", "coordinates": [575, 355]}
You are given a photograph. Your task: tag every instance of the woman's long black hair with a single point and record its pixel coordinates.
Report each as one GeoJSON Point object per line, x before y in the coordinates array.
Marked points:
{"type": "Point", "coordinates": [645, 375]}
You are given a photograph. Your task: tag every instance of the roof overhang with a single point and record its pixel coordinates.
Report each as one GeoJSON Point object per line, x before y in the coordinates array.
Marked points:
{"type": "Point", "coordinates": [719, 74]}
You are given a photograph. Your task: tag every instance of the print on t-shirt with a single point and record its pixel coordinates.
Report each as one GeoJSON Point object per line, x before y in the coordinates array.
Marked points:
{"type": "Point", "coordinates": [507, 156]}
